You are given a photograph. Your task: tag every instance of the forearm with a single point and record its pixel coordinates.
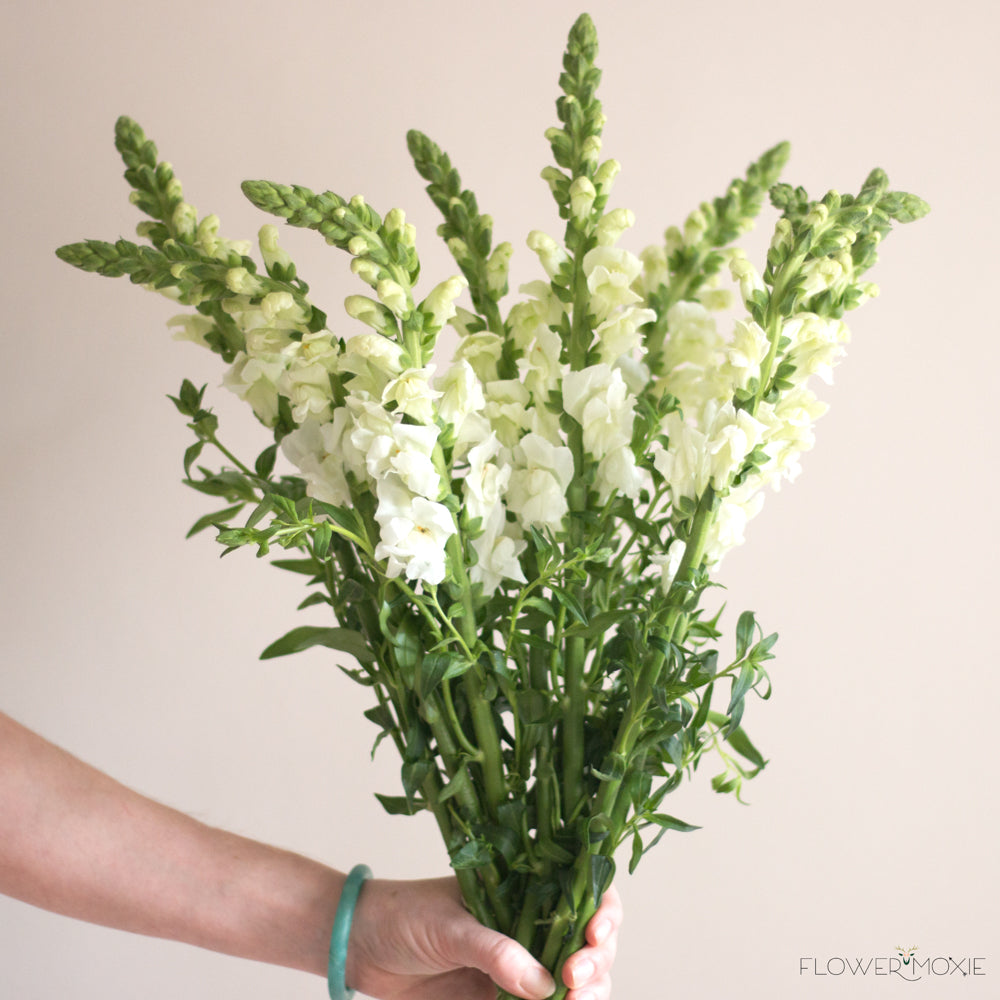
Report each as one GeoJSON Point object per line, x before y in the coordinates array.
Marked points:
{"type": "Point", "coordinates": [77, 842]}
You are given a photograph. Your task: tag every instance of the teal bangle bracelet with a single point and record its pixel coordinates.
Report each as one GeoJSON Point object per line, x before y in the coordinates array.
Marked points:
{"type": "Point", "coordinates": [337, 965]}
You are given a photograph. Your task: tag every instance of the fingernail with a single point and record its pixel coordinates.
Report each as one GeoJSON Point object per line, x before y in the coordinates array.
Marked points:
{"type": "Point", "coordinates": [585, 996]}
{"type": "Point", "coordinates": [601, 930]}
{"type": "Point", "coordinates": [583, 972]}
{"type": "Point", "coordinates": [538, 983]}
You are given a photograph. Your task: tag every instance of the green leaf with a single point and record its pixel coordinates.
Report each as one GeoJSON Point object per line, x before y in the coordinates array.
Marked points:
{"type": "Point", "coordinates": [307, 567]}
{"type": "Point", "coordinates": [572, 605]}
{"type": "Point", "coordinates": [612, 768]}
{"type": "Point", "coordinates": [460, 783]}
{"type": "Point", "coordinates": [399, 805]}
{"type": "Point", "coordinates": [430, 672]}
{"type": "Point", "coordinates": [265, 461]}
{"type": "Point", "coordinates": [704, 706]}
{"type": "Point", "coordinates": [740, 742]}
{"type": "Point", "coordinates": [637, 853]}
{"type": "Point", "coordinates": [344, 639]}
{"type": "Point", "coordinates": [671, 823]}
{"type": "Point", "coordinates": [474, 854]}
{"type": "Point", "coordinates": [316, 598]}
{"type": "Point", "coordinates": [602, 871]}
{"type": "Point", "coordinates": [741, 685]}
{"type": "Point", "coordinates": [219, 518]}
{"type": "Point", "coordinates": [414, 773]}
{"type": "Point", "coordinates": [744, 633]}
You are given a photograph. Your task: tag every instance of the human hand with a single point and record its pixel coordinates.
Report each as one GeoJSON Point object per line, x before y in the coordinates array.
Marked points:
{"type": "Point", "coordinates": [414, 940]}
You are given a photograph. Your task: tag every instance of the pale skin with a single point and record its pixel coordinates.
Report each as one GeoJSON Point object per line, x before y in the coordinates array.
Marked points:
{"type": "Point", "coordinates": [75, 841]}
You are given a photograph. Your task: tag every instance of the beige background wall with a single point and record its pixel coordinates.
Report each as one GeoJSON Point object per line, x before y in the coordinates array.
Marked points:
{"type": "Point", "coordinates": [874, 825]}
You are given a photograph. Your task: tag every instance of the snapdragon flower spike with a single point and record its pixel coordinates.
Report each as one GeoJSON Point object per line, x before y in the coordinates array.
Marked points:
{"type": "Point", "coordinates": [515, 548]}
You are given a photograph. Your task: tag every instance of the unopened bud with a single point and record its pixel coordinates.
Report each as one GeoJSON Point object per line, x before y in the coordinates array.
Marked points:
{"type": "Point", "coordinates": [581, 197]}
{"type": "Point", "coordinates": [612, 225]}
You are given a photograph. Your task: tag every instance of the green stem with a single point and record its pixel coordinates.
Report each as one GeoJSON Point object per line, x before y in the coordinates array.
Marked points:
{"type": "Point", "coordinates": [572, 728]}
{"type": "Point", "coordinates": [232, 458]}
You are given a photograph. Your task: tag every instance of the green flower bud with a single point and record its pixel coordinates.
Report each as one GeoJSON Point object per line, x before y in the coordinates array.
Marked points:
{"type": "Point", "coordinates": [394, 220]}
{"type": "Point", "coordinates": [369, 312]}
{"type": "Point", "coordinates": [367, 270]}
{"type": "Point", "coordinates": [606, 174]}
{"type": "Point", "coordinates": [459, 248]}
{"type": "Point", "coordinates": [612, 225]}
{"type": "Point", "coordinates": [184, 219]}
{"type": "Point", "coordinates": [695, 227]}
{"type": "Point", "coordinates": [497, 268]}
{"type": "Point", "coordinates": [581, 197]}
{"type": "Point", "coordinates": [273, 255]}
{"type": "Point", "coordinates": [393, 295]}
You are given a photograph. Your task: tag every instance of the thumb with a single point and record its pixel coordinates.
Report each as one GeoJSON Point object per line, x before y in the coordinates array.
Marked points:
{"type": "Point", "coordinates": [510, 965]}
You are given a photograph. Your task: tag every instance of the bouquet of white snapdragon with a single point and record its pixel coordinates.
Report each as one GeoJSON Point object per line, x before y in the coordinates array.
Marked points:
{"type": "Point", "coordinates": [515, 549]}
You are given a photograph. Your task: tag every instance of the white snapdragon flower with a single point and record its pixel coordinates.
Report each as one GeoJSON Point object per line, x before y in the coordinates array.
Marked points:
{"type": "Point", "coordinates": [746, 352]}
{"type": "Point", "coordinates": [542, 475]}
{"type": "Point", "coordinates": [715, 299]}
{"type": "Point", "coordinates": [789, 432]}
{"type": "Point", "coordinates": [507, 402]}
{"type": "Point", "coordinates": [730, 521]}
{"type": "Point", "coordinates": [655, 271]}
{"type": "Point", "coordinates": [306, 380]}
{"type": "Point", "coordinates": [281, 311]}
{"type": "Point", "coordinates": [485, 485]}
{"type": "Point", "coordinates": [497, 559]}
{"type": "Point", "coordinates": [474, 429]}
{"type": "Point", "coordinates": [413, 533]}
{"type": "Point", "coordinates": [482, 350]}
{"type": "Point", "coordinates": [827, 274]}
{"type": "Point", "coordinates": [683, 464]}
{"type": "Point", "coordinates": [610, 273]}
{"type": "Point", "coordinates": [731, 435]}
{"type": "Point", "coordinates": [692, 336]}
{"type": "Point", "coordinates": [619, 336]}
{"type": "Point", "coordinates": [313, 448]}
{"type": "Point", "coordinates": [255, 380]}
{"type": "Point", "coordinates": [541, 366]}
{"type": "Point", "coordinates": [598, 399]}
{"type": "Point", "coordinates": [373, 360]}
{"type": "Point", "coordinates": [461, 393]}
{"type": "Point", "coordinates": [669, 562]}
{"type": "Point", "coordinates": [618, 473]}
{"type": "Point", "coordinates": [408, 452]}
{"type": "Point", "coordinates": [817, 345]}
{"type": "Point", "coordinates": [695, 387]}
{"type": "Point", "coordinates": [540, 309]}
{"type": "Point", "coordinates": [636, 373]}
{"type": "Point", "coordinates": [368, 421]}
{"type": "Point", "coordinates": [191, 326]}
{"type": "Point", "coordinates": [439, 306]}
{"type": "Point", "coordinates": [745, 274]}
{"type": "Point", "coordinates": [550, 253]}
{"type": "Point", "coordinates": [412, 393]}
